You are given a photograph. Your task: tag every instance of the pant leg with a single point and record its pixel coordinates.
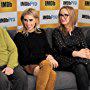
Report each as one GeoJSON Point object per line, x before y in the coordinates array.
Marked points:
{"type": "Point", "coordinates": [19, 79]}
{"type": "Point", "coordinates": [88, 69]}
{"type": "Point", "coordinates": [81, 77]}
{"type": "Point", "coordinates": [4, 82]}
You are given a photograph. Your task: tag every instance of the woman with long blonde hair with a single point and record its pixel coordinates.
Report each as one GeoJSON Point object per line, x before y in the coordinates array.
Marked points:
{"type": "Point", "coordinates": [72, 52]}
{"type": "Point", "coordinates": [35, 54]}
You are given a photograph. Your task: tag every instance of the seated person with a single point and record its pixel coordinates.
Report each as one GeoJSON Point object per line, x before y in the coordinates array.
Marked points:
{"type": "Point", "coordinates": [12, 77]}
{"type": "Point", "coordinates": [70, 47]}
{"type": "Point", "coordinates": [34, 51]}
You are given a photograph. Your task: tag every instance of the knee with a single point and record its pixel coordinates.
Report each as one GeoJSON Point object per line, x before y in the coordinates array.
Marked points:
{"type": "Point", "coordinates": [53, 73]}
{"type": "Point", "coordinates": [45, 63]}
{"type": "Point", "coordinates": [4, 80]}
{"type": "Point", "coordinates": [81, 67]}
{"type": "Point", "coordinates": [19, 75]}
{"type": "Point", "coordinates": [23, 77]}
{"type": "Point", "coordinates": [88, 65]}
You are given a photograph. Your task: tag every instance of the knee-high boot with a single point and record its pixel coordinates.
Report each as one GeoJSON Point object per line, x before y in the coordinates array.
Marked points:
{"type": "Point", "coordinates": [43, 75]}
{"type": "Point", "coordinates": [51, 82]}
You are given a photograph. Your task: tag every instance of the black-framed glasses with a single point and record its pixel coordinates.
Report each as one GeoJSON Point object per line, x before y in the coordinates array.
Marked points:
{"type": "Point", "coordinates": [63, 15]}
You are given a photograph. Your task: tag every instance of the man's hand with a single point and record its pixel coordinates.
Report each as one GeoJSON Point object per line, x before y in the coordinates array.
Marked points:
{"type": "Point", "coordinates": [8, 71]}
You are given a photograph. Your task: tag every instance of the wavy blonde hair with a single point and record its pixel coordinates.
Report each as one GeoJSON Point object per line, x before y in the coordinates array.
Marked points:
{"type": "Point", "coordinates": [34, 13]}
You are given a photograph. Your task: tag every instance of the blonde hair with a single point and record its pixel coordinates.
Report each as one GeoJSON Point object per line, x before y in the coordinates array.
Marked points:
{"type": "Point", "coordinates": [34, 13]}
{"type": "Point", "coordinates": [29, 11]}
{"type": "Point", "coordinates": [71, 13]}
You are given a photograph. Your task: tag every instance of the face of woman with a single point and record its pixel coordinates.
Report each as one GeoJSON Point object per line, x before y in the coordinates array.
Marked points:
{"type": "Point", "coordinates": [29, 22]}
{"type": "Point", "coordinates": [64, 17]}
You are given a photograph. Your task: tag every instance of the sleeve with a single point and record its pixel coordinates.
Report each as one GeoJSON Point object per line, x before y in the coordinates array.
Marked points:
{"type": "Point", "coordinates": [59, 45]}
{"type": "Point", "coordinates": [23, 53]}
{"type": "Point", "coordinates": [12, 49]}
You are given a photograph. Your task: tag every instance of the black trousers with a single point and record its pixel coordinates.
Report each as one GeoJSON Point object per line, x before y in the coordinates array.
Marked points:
{"type": "Point", "coordinates": [82, 73]}
{"type": "Point", "coordinates": [17, 81]}
{"type": "Point", "coordinates": [80, 68]}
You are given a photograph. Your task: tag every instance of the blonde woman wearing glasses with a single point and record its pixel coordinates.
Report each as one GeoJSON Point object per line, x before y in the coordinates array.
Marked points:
{"type": "Point", "coordinates": [70, 47]}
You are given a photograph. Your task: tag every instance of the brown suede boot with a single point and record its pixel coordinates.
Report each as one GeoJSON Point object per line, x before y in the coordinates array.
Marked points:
{"type": "Point", "coordinates": [51, 82]}
{"type": "Point", "coordinates": [43, 75]}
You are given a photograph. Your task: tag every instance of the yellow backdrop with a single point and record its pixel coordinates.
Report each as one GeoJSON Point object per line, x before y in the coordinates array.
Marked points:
{"type": "Point", "coordinates": [10, 12]}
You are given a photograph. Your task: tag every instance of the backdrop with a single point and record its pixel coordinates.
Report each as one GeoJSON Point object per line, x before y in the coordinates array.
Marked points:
{"type": "Point", "coordinates": [10, 12]}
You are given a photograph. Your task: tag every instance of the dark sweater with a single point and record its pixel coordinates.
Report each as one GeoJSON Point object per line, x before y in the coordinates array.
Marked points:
{"type": "Point", "coordinates": [33, 48]}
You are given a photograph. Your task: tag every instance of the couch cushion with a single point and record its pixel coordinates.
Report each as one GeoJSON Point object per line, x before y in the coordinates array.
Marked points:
{"type": "Point", "coordinates": [64, 80]}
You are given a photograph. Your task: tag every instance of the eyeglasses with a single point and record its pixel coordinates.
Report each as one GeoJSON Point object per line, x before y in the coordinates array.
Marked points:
{"type": "Point", "coordinates": [64, 15]}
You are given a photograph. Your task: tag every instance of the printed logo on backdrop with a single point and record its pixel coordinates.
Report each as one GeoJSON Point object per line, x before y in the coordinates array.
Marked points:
{"type": "Point", "coordinates": [73, 3]}
{"type": "Point", "coordinates": [8, 5]}
{"type": "Point", "coordinates": [8, 19]}
{"type": "Point", "coordinates": [49, 17]}
{"type": "Point", "coordinates": [49, 5]}
{"type": "Point", "coordinates": [85, 5]}
{"type": "Point", "coordinates": [23, 4]}
{"type": "Point", "coordinates": [84, 17]}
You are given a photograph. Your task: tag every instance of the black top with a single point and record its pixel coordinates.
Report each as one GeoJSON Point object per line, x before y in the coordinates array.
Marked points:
{"type": "Point", "coordinates": [64, 45]}
{"type": "Point", "coordinates": [33, 48]}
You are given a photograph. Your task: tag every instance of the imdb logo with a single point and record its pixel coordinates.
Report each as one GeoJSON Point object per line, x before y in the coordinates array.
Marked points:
{"type": "Point", "coordinates": [49, 3]}
{"type": "Point", "coordinates": [87, 3]}
{"type": "Point", "coordinates": [6, 4]}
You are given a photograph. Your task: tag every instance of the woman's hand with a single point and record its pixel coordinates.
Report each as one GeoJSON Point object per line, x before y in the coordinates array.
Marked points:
{"type": "Point", "coordinates": [87, 51]}
{"type": "Point", "coordinates": [36, 70]}
{"type": "Point", "coordinates": [83, 53]}
{"type": "Point", "coordinates": [52, 60]}
{"type": "Point", "coordinates": [8, 71]}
